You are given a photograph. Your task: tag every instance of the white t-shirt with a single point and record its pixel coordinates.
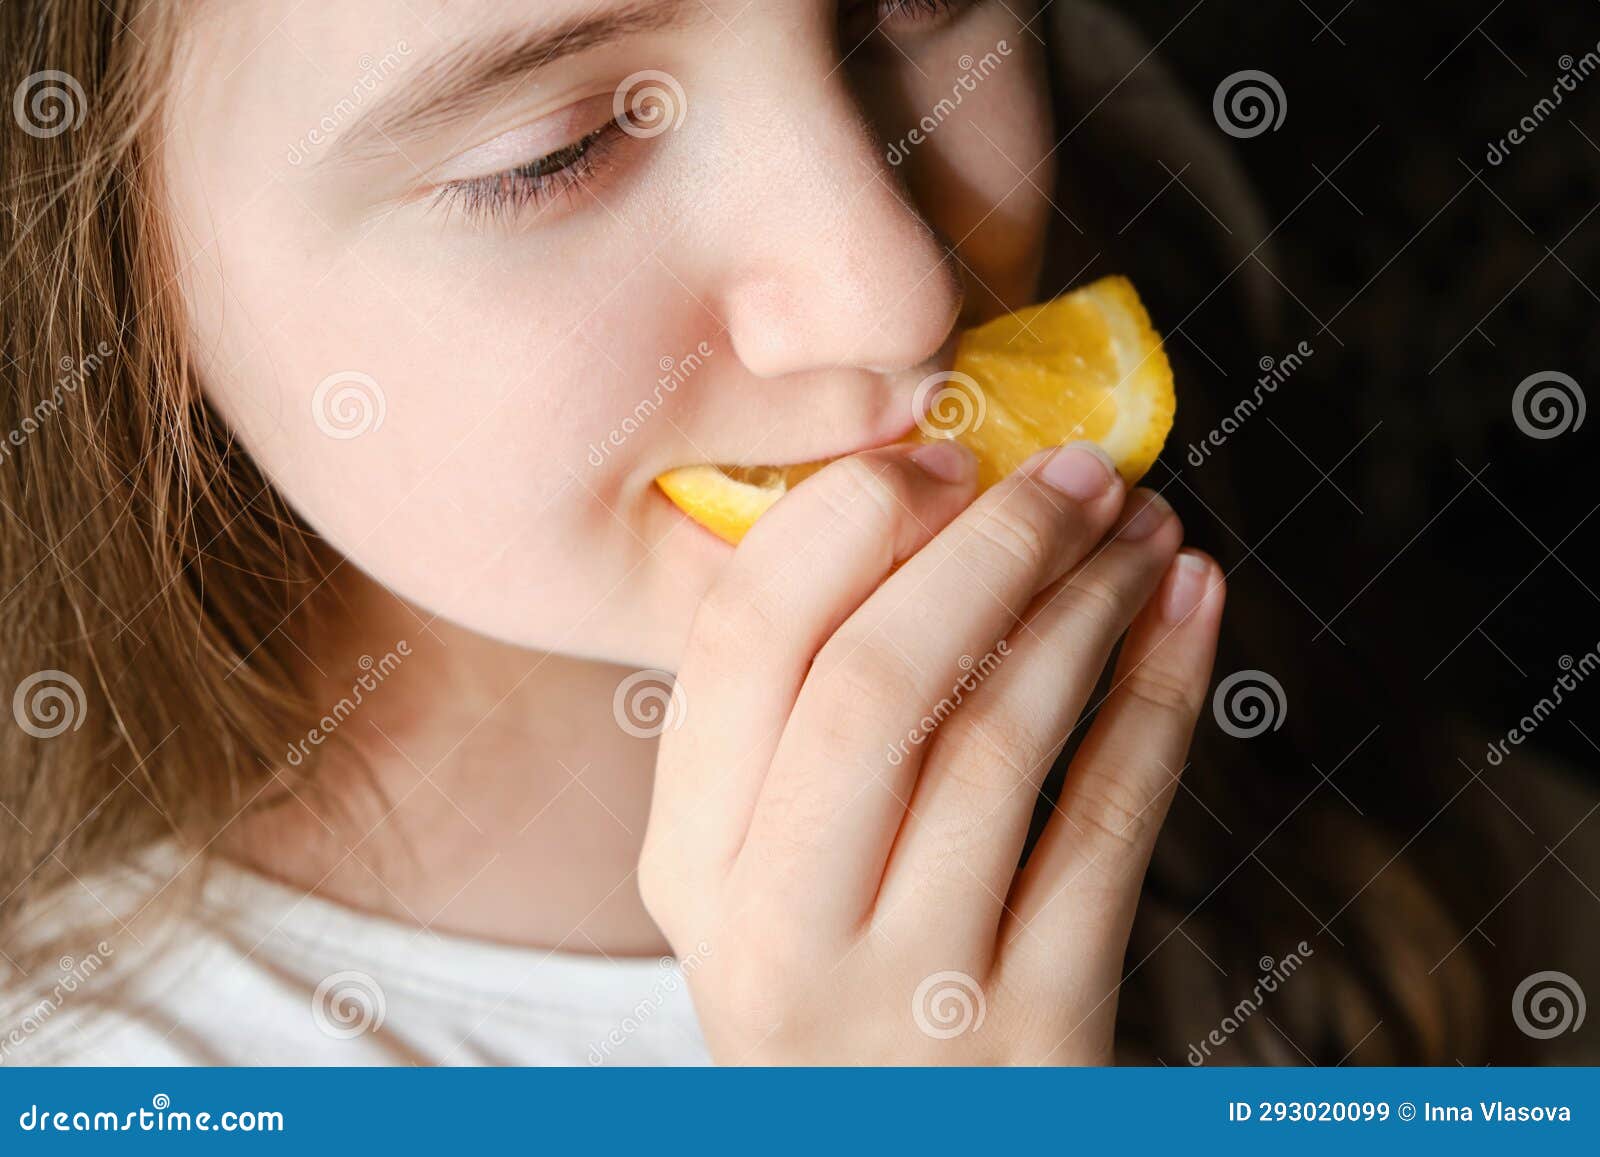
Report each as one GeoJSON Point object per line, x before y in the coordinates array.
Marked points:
{"type": "Point", "coordinates": [260, 974]}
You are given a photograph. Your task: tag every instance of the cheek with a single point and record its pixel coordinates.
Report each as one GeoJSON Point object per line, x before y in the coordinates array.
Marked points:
{"type": "Point", "coordinates": [454, 417]}
{"type": "Point", "coordinates": [985, 173]}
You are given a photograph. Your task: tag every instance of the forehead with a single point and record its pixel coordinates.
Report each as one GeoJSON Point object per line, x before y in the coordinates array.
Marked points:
{"type": "Point", "coordinates": [366, 66]}
{"type": "Point", "coordinates": [332, 42]}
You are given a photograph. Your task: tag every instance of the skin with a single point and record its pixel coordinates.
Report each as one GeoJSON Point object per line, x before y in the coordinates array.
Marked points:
{"type": "Point", "coordinates": [528, 579]}
{"type": "Point", "coordinates": [830, 883]}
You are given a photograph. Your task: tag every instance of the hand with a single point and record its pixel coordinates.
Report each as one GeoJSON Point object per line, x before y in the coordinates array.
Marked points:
{"type": "Point", "coordinates": [873, 693]}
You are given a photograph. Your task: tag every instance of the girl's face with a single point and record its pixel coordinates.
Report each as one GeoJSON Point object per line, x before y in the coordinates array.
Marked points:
{"type": "Point", "coordinates": [465, 277]}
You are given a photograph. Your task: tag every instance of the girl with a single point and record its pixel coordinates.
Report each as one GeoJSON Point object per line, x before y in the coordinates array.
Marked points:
{"type": "Point", "coordinates": [342, 345]}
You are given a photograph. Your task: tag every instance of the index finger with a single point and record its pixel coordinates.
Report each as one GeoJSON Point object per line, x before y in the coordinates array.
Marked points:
{"type": "Point", "coordinates": [798, 574]}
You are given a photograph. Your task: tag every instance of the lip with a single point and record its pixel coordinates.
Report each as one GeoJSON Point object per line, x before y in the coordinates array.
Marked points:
{"type": "Point", "coordinates": [883, 433]}
{"type": "Point", "coordinates": [895, 422]}
{"type": "Point", "coordinates": [880, 439]}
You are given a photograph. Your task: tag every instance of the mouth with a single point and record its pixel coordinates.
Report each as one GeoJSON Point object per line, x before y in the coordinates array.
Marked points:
{"type": "Point", "coordinates": [895, 423]}
{"type": "Point", "coordinates": [726, 499]}
{"type": "Point", "coordinates": [1087, 365]}
{"type": "Point", "coordinates": [881, 423]}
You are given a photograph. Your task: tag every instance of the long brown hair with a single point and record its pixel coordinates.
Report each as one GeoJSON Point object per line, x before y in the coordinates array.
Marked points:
{"type": "Point", "coordinates": [150, 580]}
{"type": "Point", "coordinates": [145, 565]}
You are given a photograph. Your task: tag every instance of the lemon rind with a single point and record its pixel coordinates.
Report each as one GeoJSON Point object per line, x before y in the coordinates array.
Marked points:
{"type": "Point", "coordinates": [1146, 403]}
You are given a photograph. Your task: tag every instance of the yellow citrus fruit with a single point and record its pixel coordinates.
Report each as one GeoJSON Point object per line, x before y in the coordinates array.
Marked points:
{"type": "Point", "coordinates": [1087, 365]}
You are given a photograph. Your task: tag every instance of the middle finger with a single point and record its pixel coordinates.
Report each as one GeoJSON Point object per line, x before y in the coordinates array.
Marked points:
{"type": "Point", "coordinates": [848, 758]}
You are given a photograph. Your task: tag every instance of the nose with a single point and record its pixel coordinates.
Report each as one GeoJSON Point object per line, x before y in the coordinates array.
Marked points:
{"type": "Point", "coordinates": [835, 266]}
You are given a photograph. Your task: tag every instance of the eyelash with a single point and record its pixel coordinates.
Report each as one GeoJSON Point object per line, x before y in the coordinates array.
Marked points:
{"type": "Point", "coordinates": [502, 196]}
{"type": "Point", "coordinates": [887, 11]}
{"type": "Point", "coordinates": [916, 9]}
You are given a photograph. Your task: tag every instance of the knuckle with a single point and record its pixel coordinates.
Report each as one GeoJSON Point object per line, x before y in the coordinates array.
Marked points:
{"type": "Point", "coordinates": [1093, 600]}
{"type": "Point", "coordinates": [1163, 691]}
{"type": "Point", "coordinates": [861, 490]}
{"type": "Point", "coordinates": [1024, 537]}
{"type": "Point", "coordinates": [1000, 749]}
{"type": "Point", "coordinates": [1111, 807]}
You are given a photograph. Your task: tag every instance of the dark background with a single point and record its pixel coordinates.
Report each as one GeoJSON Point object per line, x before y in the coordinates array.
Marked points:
{"type": "Point", "coordinates": [1410, 565]}
{"type": "Point", "coordinates": [1448, 281]}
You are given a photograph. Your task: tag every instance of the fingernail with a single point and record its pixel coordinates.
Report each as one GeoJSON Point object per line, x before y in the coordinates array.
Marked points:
{"type": "Point", "coordinates": [1079, 470]}
{"type": "Point", "coordinates": [948, 460]}
{"type": "Point", "coordinates": [1187, 585]}
{"type": "Point", "coordinates": [1148, 512]}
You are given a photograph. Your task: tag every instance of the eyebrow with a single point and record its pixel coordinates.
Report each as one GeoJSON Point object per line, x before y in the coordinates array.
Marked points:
{"type": "Point", "coordinates": [480, 73]}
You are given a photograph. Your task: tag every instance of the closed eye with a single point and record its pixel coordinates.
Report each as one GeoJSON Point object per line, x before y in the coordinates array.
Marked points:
{"type": "Point", "coordinates": [538, 185]}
